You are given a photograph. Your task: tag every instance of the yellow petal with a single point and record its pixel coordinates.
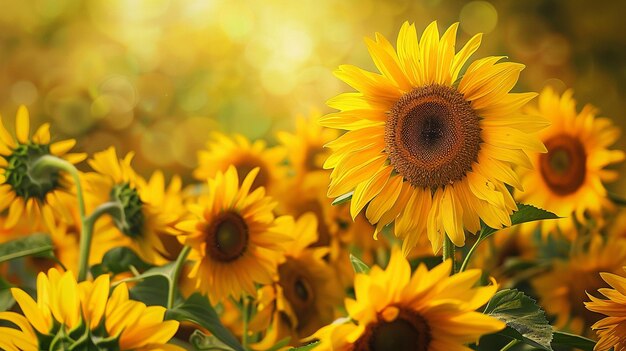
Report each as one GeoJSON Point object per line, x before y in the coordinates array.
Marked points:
{"type": "Point", "coordinates": [22, 124]}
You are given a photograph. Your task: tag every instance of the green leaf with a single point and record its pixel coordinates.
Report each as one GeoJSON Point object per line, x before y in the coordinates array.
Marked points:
{"type": "Point", "coordinates": [525, 213]}
{"type": "Point", "coordinates": [305, 347]}
{"type": "Point", "coordinates": [153, 284]}
{"type": "Point", "coordinates": [6, 298]}
{"type": "Point", "coordinates": [119, 260]}
{"type": "Point", "coordinates": [358, 265]}
{"type": "Point", "coordinates": [38, 244]}
{"type": "Point", "coordinates": [343, 199]}
{"type": "Point", "coordinates": [203, 342]}
{"type": "Point", "coordinates": [572, 340]}
{"type": "Point", "coordinates": [198, 310]}
{"type": "Point", "coordinates": [522, 314]}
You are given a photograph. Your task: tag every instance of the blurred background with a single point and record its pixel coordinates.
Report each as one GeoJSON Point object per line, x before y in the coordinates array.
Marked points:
{"type": "Point", "coordinates": [157, 76]}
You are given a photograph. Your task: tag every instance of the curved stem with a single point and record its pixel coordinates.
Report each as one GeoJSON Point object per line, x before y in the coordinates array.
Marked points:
{"type": "Point", "coordinates": [48, 161]}
{"type": "Point", "coordinates": [448, 252]}
{"type": "Point", "coordinates": [86, 234]}
{"type": "Point", "coordinates": [469, 255]}
{"type": "Point", "coordinates": [178, 265]}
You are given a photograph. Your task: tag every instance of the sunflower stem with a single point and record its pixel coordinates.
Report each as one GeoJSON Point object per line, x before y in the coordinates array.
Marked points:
{"type": "Point", "coordinates": [448, 252]}
{"type": "Point", "coordinates": [510, 345]}
{"type": "Point", "coordinates": [470, 253]}
{"type": "Point", "coordinates": [246, 320]}
{"type": "Point", "coordinates": [86, 234]}
{"type": "Point", "coordinates": [178, 265]}
{"type": "Point", "coordinates": [42, 166]}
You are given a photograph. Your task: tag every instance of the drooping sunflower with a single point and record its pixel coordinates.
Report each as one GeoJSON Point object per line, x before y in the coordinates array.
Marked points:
{"type": "Point", "coordinates": [306, 291]}
{"type": "Point", "coordinates": [223, 151]}
{"type": "Point", "coordinates": [611, 330]}
{"type": "Point", "coordinates": [305, 147]}
{"type": "Point", "coordinates": [562, 290]}
{"type": "Point", "coordinates": [425, 311]}
{"type": "Point", "coordinates": [235, 238]}
{"type": "Point", "coordinates": [426, 147]}
{"type": "Point", "coordinates": [70, 313]}
{"type": "Point", "coordinates": [19, 193]}
{"type": "Point", "coordinates": [568, 179]}
{"type": "Point", "coordinates": [151, 210]}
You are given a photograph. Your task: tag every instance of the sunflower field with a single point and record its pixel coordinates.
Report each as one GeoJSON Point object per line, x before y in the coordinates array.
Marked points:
{"type": "Point", "coordinates": [256, 176]}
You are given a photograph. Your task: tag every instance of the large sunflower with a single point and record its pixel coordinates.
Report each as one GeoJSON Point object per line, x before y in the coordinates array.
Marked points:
{"type": "Point", "coordinates": [568, 180]}
{"type": "Point", "coordinates": [67, 312]}
{"type": "Point", "coordinates": [426, 311]}
{"type": "Point", "coordinates": [235, 239]}
{"type": "Point", "coordinates": [19, 193]}
{"type": "Point", "coordinates": [223, 151]}
{"type": "Point", "coordinates": [151, 210]}
{"type": "Point", "coordinates": [306, 291]}
{"type": "Point", "coordinates": [426, 147]}
{"type": "Point", "coordinates": [563, 290]}
{"type": "Point", "coordinates": [611, 330]}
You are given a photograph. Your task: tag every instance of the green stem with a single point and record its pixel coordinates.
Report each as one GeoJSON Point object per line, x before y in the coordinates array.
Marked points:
{"type": "Point", "coordinates": [178, 265]}
{"type": "Point", "coordinates": [86, 234]}
{"type": "Point", "coordinates": [510, 345]}
{"type": "Point", "coordinates": [246, 319]}
{"type": "Point", "coordinates": [469, 255]}
{"type": "Point", "coordinates": [47, 162]}
{"type": "Point", "coordinates": [448, 252]}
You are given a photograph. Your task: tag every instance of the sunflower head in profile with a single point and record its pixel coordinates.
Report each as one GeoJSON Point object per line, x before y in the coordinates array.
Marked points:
{"type": "Point", "coordinates": [223, 151]}
{"type": "Point", "coordinates": [235, 238]}
{"type": "Point", "coordinates": [568, 179]}
{"type": "Point", "coordinates": [150, 208]}
{"type": "Point", "coordinates": [423, 311]}
{"type": "Point", "coordinates": [35, 199]}
{"type": "Point", "coordinates": [611, 330]}
{"type": "Point", "coordinates": [306, 291]}
{"type": "Point", "coordinates": [563, 289]}
{"type": "Point", "coordinates": [426, 147]}
{"type": "Point", "coordinates": [82, 315]}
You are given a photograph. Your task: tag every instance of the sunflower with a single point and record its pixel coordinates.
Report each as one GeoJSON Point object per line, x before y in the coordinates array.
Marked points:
{"type": "Point", "coordinates": [611, 330]}
{"type": "Point", "coordinates": [237, 150]}
{"type": "Point", "coordinates": [235, 238]}
{"type": "Point", "coordinates": [562, 290]}
{"type": "Point", "coordinates": [19, 193]}
{"type": "Point", "coordinates": [305, 294]}
{"type": "Point", "coordinates": [428, 310]}
{"type": "Point", "coordinates": [151, 210]}
{"type": "Point", "coordinates": [426, 147]}
{"type": "Point", "coordinates": [569, 178]}
{"type": "Point", "coordinates": [67, 312]}
{"type": "Point", "coordinates": [305, 148]}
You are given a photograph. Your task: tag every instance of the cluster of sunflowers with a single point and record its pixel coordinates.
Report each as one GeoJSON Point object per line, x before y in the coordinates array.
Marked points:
{"type": "Point", "coordinates": [281, 247]}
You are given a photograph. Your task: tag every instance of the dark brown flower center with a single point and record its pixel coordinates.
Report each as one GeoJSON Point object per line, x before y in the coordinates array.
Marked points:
{"type": "Point", "coordinates": [247, 164]}
{"type": "Point", "coordinates": [408, 332]}
{"type": "Point", "coordinates": [227, 237]}
{"type": "Point", "coordinates": [295, 280]}
{"type": "Point", "coordinates": [564, 166]}
{"type": "Point", "coordinates": [432, 136]}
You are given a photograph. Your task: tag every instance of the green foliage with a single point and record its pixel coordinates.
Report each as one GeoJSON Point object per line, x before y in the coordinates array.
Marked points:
{"type": "Point", "coordinates": [38, 244]}
{"type": "Point", "coordinates": [525, 213]}
{"type": "Point", "coordinates": [358, 265]}
{"type": "Point", "coordinates": [202, 342]}
{"type": "Point", "coordinates": [525, 320]}
{"type": "Point", "coordinates": [198, 310]}
{"type": "Point", "coordinates": [6, 298]}
{"type": "Point", "coordinates": [119, 260]}
{"type": "Point", "coordinates": [572, 340]}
